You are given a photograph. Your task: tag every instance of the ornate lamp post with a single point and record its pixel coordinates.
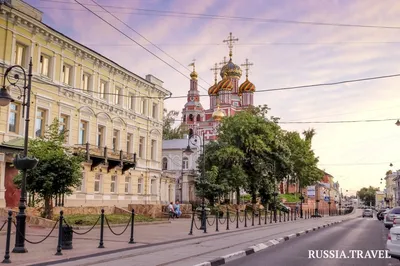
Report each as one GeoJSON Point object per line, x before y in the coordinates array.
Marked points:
{"type": "Point", "coordinates": [301, 205]}
{"type": "Point", "coordinates": [23, 163]}
{"type": "Point", "coordinates": [189, 151]}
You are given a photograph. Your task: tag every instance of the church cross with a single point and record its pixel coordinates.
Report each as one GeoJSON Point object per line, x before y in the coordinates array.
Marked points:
{"type": "Point", "coordinates": [224, 62]}
{"type": "Point", "coordinates": [247, 65]}
{"type": "Point", "coordinates": [230, 41]}
{"type": "Point", "coordinates": [215, 71]}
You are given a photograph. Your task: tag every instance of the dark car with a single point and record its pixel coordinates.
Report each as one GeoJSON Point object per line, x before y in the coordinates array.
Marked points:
{"type": "Point", "coordinates": [380, 214]}
{"type": "Point", "coordinates": [367, 213]}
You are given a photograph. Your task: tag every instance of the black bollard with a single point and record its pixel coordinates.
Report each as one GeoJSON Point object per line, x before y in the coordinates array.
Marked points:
{"type": "Point", "coordinates": [227, 220]}
{"type": "Point", "coordinates": [265, 216]}
{"type": "Point", "coordinates": [295, 216]}
{"type": "Point", "coordinates": [245, 217]}
{"type": "Point", "coordinates": [101, 244]}
{"type": "Point", "coordinates": [237, 218]}
{"type": "Point", "coordinates": [191, 225]}
{"type": "Point", "coordinates": [284, 217]}
{"type": "Point", "coordinates": [259, 217]}
{"type": "Point", "coordinates": [132, 240]}
{"type": "Point", "coordinates": [280, 216]}
{"type": "Point", "coordinates": [60, 233]}
{"type": "Point", "coordinates": [9, 222]}
{"type": "Point", "coordinates": [252, 218]}
{"type": "Point", "coordinates": [270, 217]}
{"type": "Point", "coordinates": [216, 221]}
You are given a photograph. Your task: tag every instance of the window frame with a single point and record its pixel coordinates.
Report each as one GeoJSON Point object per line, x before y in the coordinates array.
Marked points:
{"type": "Point", "coordinates": [86, 85]}
{"type": "Point", "coordinates": [43, 119]}
{"type": "Point", "coordinates": [83, 139]}
{"type": "Point", "coordinates": [165, 163]}
{"type": "Point", "coordinates": [98, 178]}
{"type": "Point", "coordinates": [142, 143]}
{"type": "Point", "coordinates": [127, 184]}
{"type": "Point", "coordinates": [18, 115]}
{"type": "Point", "coordinates": [65, 75]}
{"type": "Point", "coordinates": [114, 184]}
{"type": "Point", "coordinates": [140, 185]}
{"type": "Point", "coordinates": [45, 71]}
{"type": "Point", "coordinates": [185, 163]}
{"type": "Point", "coordinates": [23, 58]}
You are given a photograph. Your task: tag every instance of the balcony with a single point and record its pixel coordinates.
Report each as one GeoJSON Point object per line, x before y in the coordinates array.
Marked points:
{"type": "Point", "coordinates": [103, 156]}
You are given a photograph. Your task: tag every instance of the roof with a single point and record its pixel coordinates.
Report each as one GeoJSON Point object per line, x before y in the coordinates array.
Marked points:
{"type": "Point", "coordinates": [91, 50]}
{"type": "Point", "coordinates": [176, 144]}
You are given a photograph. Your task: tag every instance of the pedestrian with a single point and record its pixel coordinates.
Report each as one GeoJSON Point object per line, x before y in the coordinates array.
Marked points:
{"type": "Point", "coordinates": [177, 209]}
{"type": "Point", "coordinates": [297, 209]}
{"type": "Point", "coordinates": [171, 210]}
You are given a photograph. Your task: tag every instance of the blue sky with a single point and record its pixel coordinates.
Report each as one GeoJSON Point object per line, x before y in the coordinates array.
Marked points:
{"type": "Point", "coordinates": [356, 154]}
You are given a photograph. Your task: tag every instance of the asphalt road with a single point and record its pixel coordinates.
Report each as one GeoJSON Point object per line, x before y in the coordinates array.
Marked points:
{"type": "Point", "coordinates": [358, 234]}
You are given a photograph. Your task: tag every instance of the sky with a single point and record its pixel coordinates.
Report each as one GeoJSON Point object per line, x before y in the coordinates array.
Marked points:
{"type": "Point", "coordinates": [283, 54]}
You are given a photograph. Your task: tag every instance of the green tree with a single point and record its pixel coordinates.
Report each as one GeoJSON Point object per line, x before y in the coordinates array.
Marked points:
{"type": "Point", "coordinates": [258, 143]}
{"type": "Point", "coordinates": [169, 131]}
{"type": "Point", "coordinates": [58, 170]}
{"type": "Point", "coordinates": [367, 195]}
{"type": "Point", "coordinates": [303, 159]}
{"type": "Point", "coordinates": [309, 134]}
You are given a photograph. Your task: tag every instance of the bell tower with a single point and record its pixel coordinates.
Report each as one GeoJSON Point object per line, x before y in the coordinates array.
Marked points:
{"type": "Point", "coordinates": [193, 111]}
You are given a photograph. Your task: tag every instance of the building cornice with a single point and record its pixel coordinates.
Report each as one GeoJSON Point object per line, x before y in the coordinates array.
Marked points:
{"type": "Point", "coordinates": [53, 36]}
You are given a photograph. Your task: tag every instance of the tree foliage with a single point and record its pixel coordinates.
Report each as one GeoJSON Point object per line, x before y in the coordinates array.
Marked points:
{"type": "Point", "coordinates": [58, 170]}
{"type": "Point", "coordinates": [169, 131]}
{"type": "Point", "coordinates": [367, 195]}
{"type": "Point", "coordinates": [253, 153]}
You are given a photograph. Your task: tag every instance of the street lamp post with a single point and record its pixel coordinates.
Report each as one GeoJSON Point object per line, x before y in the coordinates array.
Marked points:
{"type": "Point", "coordinates": [23, 163]}
{"type": "Point", "coordinates": [329, 207]}
{"type": "Point", "coordinates": [189, 151]}
{"type": "Point", "coordinates": [301, 204]}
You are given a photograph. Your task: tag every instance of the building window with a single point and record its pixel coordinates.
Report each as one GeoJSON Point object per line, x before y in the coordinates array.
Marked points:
{"type": "Point", "coordinates": [40, 122]}
{"type": "Point", "coordinates": [115, 140]}
{"type": "Point", "coordinates": [102, 89]}
{"type": "Point", "coordinates": [198, 118]}
{"type": "Point", "coordinates": [131, 103]}
{"type": "Point", "coordinates": [97, 183]}
{"type": "Point", "coordinates": [66, 77]}
{"type": "Point", "coordinates": [64, 125]}
{"type": "Point", "coordinates": [141, 147]}
{"type": "Point", "coordinates": [101, 130]}
{"type": "Point", "coordinates": [153, 187]}
{"type": "Point", "coordinates": [155, 110]}
{"type": "Point", "coordinates": [85, 82]}
{"type": "Point", "coordinates": [81, 187]}
{"type": "Point", "coordinates": [153, 149]}
{"type": "Point", "coordinates": [117, 96]}
{"type": "Point", "coordinates": [127, 184]}
{"type": "Point", "coordinates": [165, 164]}
{"type": "Point", "coordinates": [129, 142]}
{"type": "Point", "coordinates": [14, 118]}
{"type": "Point", "coordinates": [185, 163]}
{"type": "Point", "coordinates": [113, 186]}
{"type": "Point", "coordinates": [21, 55]}
{"type": "Point", "coordinates": [140, 186]}
{"type": "Point", "coordinates": [143, 106]}
{"type": "Point", "coordinates": [45, 65]}
{"type": "Point", "coordinates": [83, 128]}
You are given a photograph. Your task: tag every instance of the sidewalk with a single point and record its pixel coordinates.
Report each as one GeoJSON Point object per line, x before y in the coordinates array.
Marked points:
{"type": "Point", "coordinates": [155, 236]}
{"type": "Point", "coordinates": [203, 248]}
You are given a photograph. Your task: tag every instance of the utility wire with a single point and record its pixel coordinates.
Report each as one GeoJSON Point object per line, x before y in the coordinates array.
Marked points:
{"type": "Point", "coordinates": [212, 16]}
{"type": "Point", "coordinates": [171, 66]}
{"type": "Point", "coordinates": [251, 44]}
{"type": "Point", "coordinates": [257, 91]}
{"type": "Point", "coordinates": [147, 40]}
{"type": "Point", "coordinates": [328, 122]}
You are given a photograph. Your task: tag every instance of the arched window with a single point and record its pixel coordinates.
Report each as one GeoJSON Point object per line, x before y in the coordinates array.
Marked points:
{"type": "Point", "coordinates": [185, 163]}
{"type": "Point", "coordinates": [191, 117]}
{"type": "Point", "coordinates": [164, 163]}
{"type": "Point", "coordinates": [198, 118]}
{"type": "Point", "coordinates": [184, 118]}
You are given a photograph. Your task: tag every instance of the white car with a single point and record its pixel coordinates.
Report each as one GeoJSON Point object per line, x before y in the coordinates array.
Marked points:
{"type": "Point", "coordinates": [390, 216]}
{"type": "Point", "coordinates": [393, 241]}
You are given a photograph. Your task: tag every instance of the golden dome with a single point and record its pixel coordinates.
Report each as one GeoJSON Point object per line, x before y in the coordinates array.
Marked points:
{"type": "Point", "coordinates": [193, 75]}
{"type": "Point", "coordinates": [225, 84]}
{"type": "Point", "coordinates": [218, 114]}
{"type": "Point", "coordinates": [213, 90]}
{"type": "Point", "coordinates": [231, 70]}
{"type": "Point", "coordinates": [247, 86]}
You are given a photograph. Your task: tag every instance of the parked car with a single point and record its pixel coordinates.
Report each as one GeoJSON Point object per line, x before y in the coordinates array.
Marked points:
{"type": "Point", "coordinates": [393, 242]}
{"type": "Point", "coordinates": [381, 213]}
{"type": "Point", "coordinates": [282, 207]}
{"type": "Point", "coordinates": [367, 213]}
{"type": "Point", "coordinates": [390, 216]}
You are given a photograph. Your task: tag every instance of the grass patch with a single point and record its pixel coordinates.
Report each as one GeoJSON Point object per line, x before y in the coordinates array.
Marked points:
{"type": "Point", "coordinates": [90, 219]}
{"type": "Point", "coordinates": [290, 197]}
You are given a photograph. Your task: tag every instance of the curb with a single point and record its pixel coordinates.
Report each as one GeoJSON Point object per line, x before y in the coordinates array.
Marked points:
{"type": "Point", "coordinates": [262, 246]}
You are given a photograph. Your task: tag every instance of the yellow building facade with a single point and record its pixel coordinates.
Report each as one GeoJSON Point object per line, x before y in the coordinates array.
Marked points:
{"type": "Point", "coordinates": [109, 112]}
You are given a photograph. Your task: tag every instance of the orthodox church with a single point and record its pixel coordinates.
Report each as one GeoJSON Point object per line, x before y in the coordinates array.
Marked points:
{"type": "Point", "coordinates": [226, 96]}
